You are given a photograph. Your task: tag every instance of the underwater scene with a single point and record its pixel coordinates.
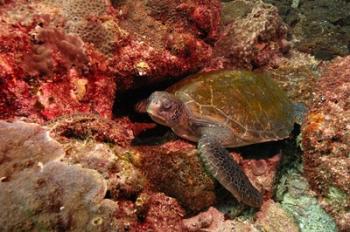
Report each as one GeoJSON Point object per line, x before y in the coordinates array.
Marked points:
{"type": "Point", "coordinates": [175, 115]}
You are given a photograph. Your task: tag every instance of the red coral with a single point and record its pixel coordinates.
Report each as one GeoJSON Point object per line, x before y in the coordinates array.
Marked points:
{"type": "Point", "coordinates": [167, 39]}
{"type": "Point", "coordinates": [70, 47]}
{"type": "Point", "coordinates": [48, 71]}
{"type": "Point", "coordinates": [51, 76]}
{"type": "Point", "coordinates": [15, 93]}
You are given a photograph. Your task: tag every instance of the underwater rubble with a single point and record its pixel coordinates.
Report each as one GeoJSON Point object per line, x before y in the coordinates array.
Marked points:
{"type": "Point", "coordinates": [72, 158]}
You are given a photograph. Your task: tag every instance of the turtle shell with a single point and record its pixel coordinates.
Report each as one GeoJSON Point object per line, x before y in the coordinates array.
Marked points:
{"type": "Point", "coordinates": [250, 104]}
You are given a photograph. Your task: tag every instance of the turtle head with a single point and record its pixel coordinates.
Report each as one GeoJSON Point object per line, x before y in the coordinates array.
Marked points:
{"type": "Point", "coordinates": [164, 108]}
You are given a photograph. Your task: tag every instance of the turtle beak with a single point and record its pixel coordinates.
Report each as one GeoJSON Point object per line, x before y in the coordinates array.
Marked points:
{"type": "Point", "coordinates": [153, 109]}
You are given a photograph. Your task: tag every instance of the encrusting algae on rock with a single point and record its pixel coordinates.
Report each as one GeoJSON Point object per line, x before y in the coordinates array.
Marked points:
{"type": "Point", "coordinates": [325, 141]}
{"type": "Point", "coordinates": [299, 201]}
{"type": "Point", "coordinates": [78, 185]}
{"type": "Point", "coordinates": [49, 47]}
{"type": "Point", "coordinates": [253, 35]}
{"type": "Point", "coordinates": [175, 169]}
{"type": "Point", "coordinates": [73, 65]}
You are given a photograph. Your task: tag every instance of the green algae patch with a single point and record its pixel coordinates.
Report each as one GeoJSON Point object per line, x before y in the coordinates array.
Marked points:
{"type": "Point", "coordinates": [337, 198]}
{"type": "Point", "coordinates": [296, 198]}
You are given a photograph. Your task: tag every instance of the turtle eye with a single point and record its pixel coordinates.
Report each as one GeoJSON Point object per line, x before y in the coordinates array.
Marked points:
{"type": "Point", "coordinates": [166, 105]}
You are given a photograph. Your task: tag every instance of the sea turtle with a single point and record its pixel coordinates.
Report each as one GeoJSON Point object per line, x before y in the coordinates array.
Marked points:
{"type": "Point", "coordinates": [221, 109]}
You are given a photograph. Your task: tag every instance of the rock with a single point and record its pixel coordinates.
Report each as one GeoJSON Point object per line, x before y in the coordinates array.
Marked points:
{"type": "Point", "coordinates": [103, 145]}
{"type": "Point", "coordinates": [253, 36]}
{"type": "Point", "coordinates": [164, 214]}
{"type": "Point", "coordinates": [271, 217]}
{"type": "Point", "coordinates": [64, 57]}
{"type": "Point", "coordinates": [325, 140]}
{"type": "Point", "coordinates": [46, 193]}
{"type": "Point", "coordinates": [320, 28]}
{"type": "Point", "coordinates": [47, 73]}
{"type": "Point", "coordinates": [294, 194]}
{"type": "Point", "coordinates": [178, 43]}
{"type": "Point", "coordinates": [25, 145]}
{"type": "Point", "coordinates": [172, 166]}
{"type": "Point", "coordinates": [296, 74]}
{"type": "Point", "coordinates": [56, 196]}
{"type": "Point", "coordinates": [75, 186]}
{"type": "Point", "coordinates": [214, 220]}
{"type": "Point", "coordinates": [92, 127]}
{"type": "Point", "coordinates": [262, 172]}
{"type": "Point", "coordinates": [114, 164]}
{"type": "Point", "coordinates": [209, 220]}
{"type": "Point", "coordinates": [175, 169]}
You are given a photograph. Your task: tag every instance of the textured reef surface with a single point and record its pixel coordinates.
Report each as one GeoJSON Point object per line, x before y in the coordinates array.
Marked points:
{"type": "Point", "coordinates": [321, 28]}
{"type": "Point", "coordinates": [75, 156]}
{"type": "Point", "coordinates": [47, 185]}
{"type": "Point", "coordinates": [253, 35]}
{"type": "Point", "coordinates": [326, 140]}
{"type": "Point", "coordinates": [61, 57]}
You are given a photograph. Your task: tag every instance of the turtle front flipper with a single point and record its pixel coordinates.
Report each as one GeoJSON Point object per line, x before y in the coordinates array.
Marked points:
{"type": "Point", "coordinates": [141, 106]}
{"type": "Point", "coordinates": [222, 167]}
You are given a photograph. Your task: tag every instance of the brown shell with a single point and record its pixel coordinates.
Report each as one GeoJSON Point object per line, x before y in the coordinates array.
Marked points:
{"type": "Point", "coordinates": [251, 104]}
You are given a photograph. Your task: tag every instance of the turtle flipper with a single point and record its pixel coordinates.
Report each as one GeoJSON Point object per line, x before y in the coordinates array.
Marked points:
{"type": "Point", "coordinates": [219, 163]}
{"type": "Point", "coordinates": [141, 106]}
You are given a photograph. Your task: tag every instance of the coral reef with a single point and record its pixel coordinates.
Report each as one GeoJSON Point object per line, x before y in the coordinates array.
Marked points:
{"type": "Point", "coordinates": [253, 35]}
{"type": "Point", "coordinates": [262, 170]}
{"type": "Point", "coordinates": [297, 75]}
{"type": "Point", "coordinates": [175, 169]}
{"type": "Point", "coordinates": [123, 179]}
{"type": "Point", "coordinates": [50, 75]}
{"type": "Point", "coordinates": [170, 168]}
{"type": "Point", "coordinates": [48, 201]}
{"type": "Point", "coordinates": [209, 220]}
{"type": "Point", "coordinates": [92, 126]}
{"type": "Point", "coordinates": [271, 217]}
{"type": "Point", "coordinates": [43, 192]}
{"type": "Point", "coordinates": [320, 28]}
{"type": "Point", "coordinates": [48, 186]}
{"type": "Point", "coordinates": [299, 201]}
{"type": "Point", "coordinates": [164, 214]}
{"type": "Point", "coordinates": [63, 57]}
{"type": "Point", "coordinates": [325, 140]}
{"type": "Point", "coordinates": [67, 64]}
{"type": "Point", "coordinates": [295, 208]}
{"type": "Point", "coordinates": [25, 145]}
{"type": "Point", "coordinates": [102, 145]}
{"type": "Point", "coordinates": [173, 165]}
{"type": "Point", "coordinates": [175, 46]}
